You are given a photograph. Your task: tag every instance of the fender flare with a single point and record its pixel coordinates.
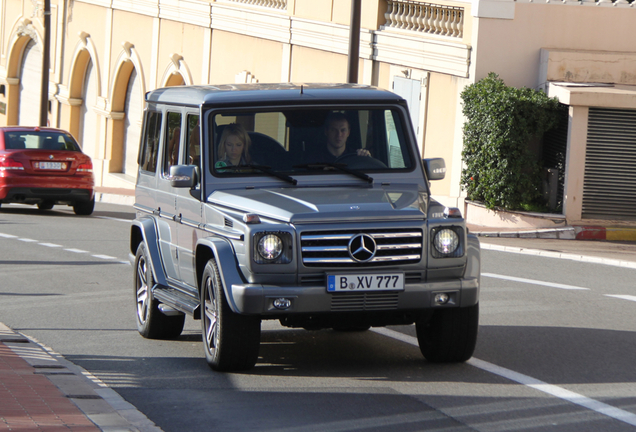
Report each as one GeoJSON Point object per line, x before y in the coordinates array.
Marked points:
{"type": "Point", "coordinates": [223, 252]}
{"type": "Point", "coordinates": [471, 281]}
{"type": "Point", "coordinates": [148, 230]}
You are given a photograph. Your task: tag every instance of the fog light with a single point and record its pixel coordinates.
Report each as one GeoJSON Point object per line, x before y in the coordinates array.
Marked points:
{"type": "Point", "coordinates": [282, 303]}
{"type": "Point", "coordinates": [441, 298]}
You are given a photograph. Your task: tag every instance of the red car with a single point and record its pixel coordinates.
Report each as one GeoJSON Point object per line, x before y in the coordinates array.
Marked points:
{"type": "Point", "coordinates": [45, 166]}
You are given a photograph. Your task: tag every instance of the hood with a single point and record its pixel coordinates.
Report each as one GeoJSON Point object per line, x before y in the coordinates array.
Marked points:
{"type": "Point", "coordinates": [311, 205]}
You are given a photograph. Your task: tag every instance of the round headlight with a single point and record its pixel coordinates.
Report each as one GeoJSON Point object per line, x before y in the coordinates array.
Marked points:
{"type": "Point", "coordinates": [270, 247]}
{"type": "Point", "coordinates": [446, 241]}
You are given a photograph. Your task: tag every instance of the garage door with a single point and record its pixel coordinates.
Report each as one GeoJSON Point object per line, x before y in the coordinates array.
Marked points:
{"type": "Point", "coordinates": [609, 188]}
{"type": "Point", "coordinates": [132, 125]}
{"type": "Point", "coordinates": [88, 118]}
{"type": "Point", "coordinates": [30, 83]}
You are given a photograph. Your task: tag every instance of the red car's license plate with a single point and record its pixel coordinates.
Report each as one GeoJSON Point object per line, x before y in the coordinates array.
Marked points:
{"type": "Point", "coordinates": [50, 165]}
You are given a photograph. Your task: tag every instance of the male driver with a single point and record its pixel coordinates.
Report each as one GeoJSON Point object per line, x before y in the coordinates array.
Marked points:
{"type": "Point", "coordinates": [337, 131]}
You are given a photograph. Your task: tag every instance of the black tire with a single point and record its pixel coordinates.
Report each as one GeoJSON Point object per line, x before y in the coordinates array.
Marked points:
{"type": "Point", "coordinates": [450, 335]}
{"type": "Point", "coordinates": [46, 205]}
{"type": "Point", "coordinates": [151, 323]}
{"type": "Point", "coordinates": [84, 208]}
{"type": "Point", "coordinates": [231, 341]}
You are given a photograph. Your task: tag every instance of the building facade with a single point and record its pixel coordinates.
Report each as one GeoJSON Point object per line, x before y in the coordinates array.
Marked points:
{"type": "Point", "coordinates": [105, 54]}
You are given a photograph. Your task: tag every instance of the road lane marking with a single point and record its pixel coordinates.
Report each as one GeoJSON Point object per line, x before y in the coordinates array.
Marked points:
{"type": "Point", "coordinates": [560, 255]}
{"type": "Point", "coordinates": [528, 381]}
{"type": "Point", "coordinates": [106, 257]}
{"type": "Point", "coordinates": [114, 219]}
{"type": "Point", "coordinates": [534, 282]}
{"type": "Point", "coordinates": [622, 297]}
{"type": "Point", "coordinates": [53, 245]}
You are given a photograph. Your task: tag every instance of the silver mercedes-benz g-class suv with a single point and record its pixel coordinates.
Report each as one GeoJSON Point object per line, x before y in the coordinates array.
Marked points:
{"type": "Point", "coordinates": [306, 204]}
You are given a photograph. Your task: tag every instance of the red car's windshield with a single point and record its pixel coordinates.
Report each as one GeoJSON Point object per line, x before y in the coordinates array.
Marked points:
{"type": "Point", "coordinates": [43, 140]}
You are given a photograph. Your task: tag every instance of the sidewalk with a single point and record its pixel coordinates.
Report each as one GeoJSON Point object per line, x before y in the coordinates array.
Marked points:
{"type": "Point", "coordinates": [41, 391]}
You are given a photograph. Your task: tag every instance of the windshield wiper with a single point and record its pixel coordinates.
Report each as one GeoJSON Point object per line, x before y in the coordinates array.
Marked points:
{"type": "Point", "coordinates": [338, 166]}
{"type": "Point", "coordinates": [261, 168]}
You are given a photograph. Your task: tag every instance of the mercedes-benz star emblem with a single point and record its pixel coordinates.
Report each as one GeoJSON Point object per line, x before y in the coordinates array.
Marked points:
{"type": "Point", "coordinates": [362, 247]}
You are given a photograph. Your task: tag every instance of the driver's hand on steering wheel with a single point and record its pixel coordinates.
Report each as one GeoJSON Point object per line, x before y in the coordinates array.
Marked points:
{"type": "Point", "coordinates": [363, 152]}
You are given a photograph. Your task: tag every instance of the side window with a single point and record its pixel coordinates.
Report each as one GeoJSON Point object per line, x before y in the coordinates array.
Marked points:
{"type": "Point", "coordinates": [150, 143]}
{"type": "Point", "coordinates": [173, 141]}
{"type": "Point", "coordinates": [396, 156]}
{"type": "Point", "coordinates": [193, 140]}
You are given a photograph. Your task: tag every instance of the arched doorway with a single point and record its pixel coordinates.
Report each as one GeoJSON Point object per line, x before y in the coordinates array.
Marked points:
{"type": "Point", "coordinates": [30, 89]}
{"type": "Point", "coordinates": [87, 135]}
{"type": "Point", "coordinates": [132, 124]}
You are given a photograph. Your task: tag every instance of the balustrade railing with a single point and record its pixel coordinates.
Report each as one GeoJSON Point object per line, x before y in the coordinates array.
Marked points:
{"type": "Point", "coordinates": [425, 17]}
{"type": "Point", "coordinates": [272, 4]}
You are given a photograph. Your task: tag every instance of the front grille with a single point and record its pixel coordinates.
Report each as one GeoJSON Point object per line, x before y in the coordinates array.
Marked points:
{"type": "Point", "coordinates": [364, 301]}
{"type": "Point", "coordinates": [331, 248]}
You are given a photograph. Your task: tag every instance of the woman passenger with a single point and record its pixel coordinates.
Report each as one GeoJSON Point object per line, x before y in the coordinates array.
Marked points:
{"type": "Point", "coordinates": [234, 146]}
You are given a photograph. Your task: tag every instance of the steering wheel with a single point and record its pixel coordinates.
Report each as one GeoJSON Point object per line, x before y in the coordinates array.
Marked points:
{"type": "Point", "coordinates": [354, 161]}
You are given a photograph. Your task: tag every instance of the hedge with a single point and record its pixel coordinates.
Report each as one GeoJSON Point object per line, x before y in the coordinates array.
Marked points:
{"type": "Point", "coordinates": [500, 169]}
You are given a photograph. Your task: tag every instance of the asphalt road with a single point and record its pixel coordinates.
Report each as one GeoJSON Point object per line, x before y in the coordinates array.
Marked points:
{"type": "Point", "coordinates": [555, 351]}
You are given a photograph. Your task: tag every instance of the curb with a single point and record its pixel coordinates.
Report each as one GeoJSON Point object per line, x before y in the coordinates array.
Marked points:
{"type": "Point", "coordinates": [605, 233]}
{"type": "Point", "coordinates": [567, 233]}
{"type": "Point", "coordinates": [99, 403]}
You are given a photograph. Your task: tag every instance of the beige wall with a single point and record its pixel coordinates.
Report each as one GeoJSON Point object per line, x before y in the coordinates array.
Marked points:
{"type": "Point", "coordinates": [339, 11]}
{"type": "Point", "coordinates": [537, 26]}
{"type": "Point", "coordinates": [440, 127]}
{"type": "Point", "coordinates": [310, 41]}
{"type": "Point", "coordinates": [321, 10]}
{"type": "Point", "coordinates": [309, 65]}
{"type": "Point", "coordinates": [137, 30]}
{"type": "Point", "coordinates": [186, 40]}
{"type": "Point", "coordinates": [232, 53]}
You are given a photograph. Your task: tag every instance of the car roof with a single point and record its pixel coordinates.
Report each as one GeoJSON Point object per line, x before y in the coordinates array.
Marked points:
{"type": "Point", "coordinates": [31, 129]}
{"type": "Point", "coordinates": [284, 93]}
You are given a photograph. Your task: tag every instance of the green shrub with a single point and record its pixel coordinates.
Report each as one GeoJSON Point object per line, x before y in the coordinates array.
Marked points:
{"type": "Point", "coordinates": [500, 170]}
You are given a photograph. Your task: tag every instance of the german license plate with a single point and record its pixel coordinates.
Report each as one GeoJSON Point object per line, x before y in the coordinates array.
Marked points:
{"type": "Point", "coordinates": [365, 282]}
{"type": "Point", "coordinates": [50, 165]}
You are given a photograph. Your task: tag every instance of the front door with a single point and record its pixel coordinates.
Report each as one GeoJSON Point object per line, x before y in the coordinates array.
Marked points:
{"type": "Point", "coordinates": [189, 204]}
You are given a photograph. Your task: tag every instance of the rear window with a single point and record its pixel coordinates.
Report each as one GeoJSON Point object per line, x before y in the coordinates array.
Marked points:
{"type": "Point", "coordinates": [42, 140]}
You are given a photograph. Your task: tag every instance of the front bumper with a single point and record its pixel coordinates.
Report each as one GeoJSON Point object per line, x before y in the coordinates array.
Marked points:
{"type": "Point", "coordinates": [253, 299]}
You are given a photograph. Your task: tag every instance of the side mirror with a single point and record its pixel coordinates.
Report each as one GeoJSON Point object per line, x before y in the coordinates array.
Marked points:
{"type": "Point", "coordinates": [183, 176]}
{"type": "Point", "coordinates": [435, 168]}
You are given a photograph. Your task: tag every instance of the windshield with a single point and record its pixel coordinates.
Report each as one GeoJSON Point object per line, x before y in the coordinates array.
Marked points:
{"type": "Point", "coordinates": [309, 141]}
